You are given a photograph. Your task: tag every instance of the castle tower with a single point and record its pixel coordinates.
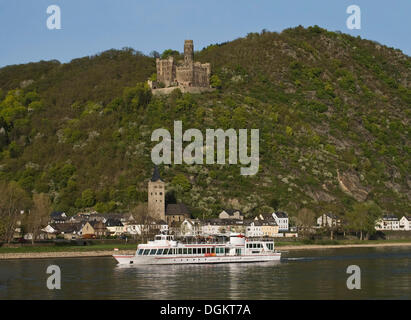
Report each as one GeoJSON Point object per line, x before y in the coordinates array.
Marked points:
{"type": "Point", "coordinates": [156, 196]}
{"type": "Point", "coordinates": [188, 52]}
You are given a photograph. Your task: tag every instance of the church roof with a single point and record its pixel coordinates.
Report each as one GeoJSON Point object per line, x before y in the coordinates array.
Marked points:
{"type": "Point", "coordinates": [177, 209]}
{"type": "Point", "coordinates": [156, 175]}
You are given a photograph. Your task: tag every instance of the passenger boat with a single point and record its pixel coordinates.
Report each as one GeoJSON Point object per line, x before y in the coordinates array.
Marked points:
{"type": "Point", "coordinates": [165, 250]}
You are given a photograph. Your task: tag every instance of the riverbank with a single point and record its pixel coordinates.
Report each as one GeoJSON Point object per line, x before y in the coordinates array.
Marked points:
{"type": "Point", "coordinates": [340, 246]}
{"type": "Point", "coordinates": [106, 251]}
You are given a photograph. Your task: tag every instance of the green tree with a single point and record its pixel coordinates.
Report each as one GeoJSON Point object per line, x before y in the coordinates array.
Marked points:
{"type": "Point", "coordinates": [216, 82]}
{"type": "Point", "coordinates": [362, 218]}
{"type": "Point", "coordinates": [38, 215]}
{"type": "Point", "coordinates": [181, 183]}
{"type": "Point", "coordinates": [138, 96]}
{"type": "Point", "coordinates": [13, 200]}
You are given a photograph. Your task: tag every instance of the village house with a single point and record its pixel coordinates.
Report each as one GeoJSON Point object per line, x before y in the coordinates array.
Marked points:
{"type": "Point", "coordinates": [253, 229]}
{"type": "Point", "coordinates": [94, 229]}
{"type": "Point", "coordinates": [329, 220]}
{"type": "Point", "coordinates": [58, 217]}
{"type": "Point", "coordinates": [281, 218]}
{"type": "Point", "coordinates": [213, 226]}
{"type": "Point", "coordinates": [405, 223]}
{"type": "Point", "coordinates": [115, 227]}
{"type": "Point", "coordinates": [190, 227]}
{"type": "Point", "coordinates": [388, 222]}
{"type": "Point", "coordinates": [49, 232]}
{"type": "Point", "coordinates": [269, 228]}
{"type": "Point", "coordinates": [68, 231]}
{"type": "Point", "coordinates": [150, 227]}
{"type": "Point", "coordinates": [222, 226]}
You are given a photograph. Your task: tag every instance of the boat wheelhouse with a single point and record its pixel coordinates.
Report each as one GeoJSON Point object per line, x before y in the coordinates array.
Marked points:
{"type": "Point", "coordinates": [165, 250]}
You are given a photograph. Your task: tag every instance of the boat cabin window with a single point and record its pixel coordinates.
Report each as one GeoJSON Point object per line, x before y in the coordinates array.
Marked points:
{"type": "Point", "coordinates": [153, 251]}
{"type": "Point", "coordinates": [140, 252]}
{"type": "Point", "coordinates": [185, 251]}
{"type": "Point", "coordinates": [159, 251]}
{"type": "Point", "coordinates": [146, 251]}
{"type": "Point", "coordinates": [190, 251]}
{"type": "Point", "coordinates": [165, 251]}
{"type": "Point", "coordinates": [180, 251]}
{"type": "Point", "coordinates": [170, 251]}
{"type": "Point", "coordinates": [158, 237]}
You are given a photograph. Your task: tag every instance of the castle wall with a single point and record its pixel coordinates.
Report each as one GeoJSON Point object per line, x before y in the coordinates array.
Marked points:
{"type": "Point", "coordinates": [166, 71]}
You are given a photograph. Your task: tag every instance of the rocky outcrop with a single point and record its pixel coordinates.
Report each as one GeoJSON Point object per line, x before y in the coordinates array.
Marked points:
{"type": "Point", "coordinates": [350, 184]}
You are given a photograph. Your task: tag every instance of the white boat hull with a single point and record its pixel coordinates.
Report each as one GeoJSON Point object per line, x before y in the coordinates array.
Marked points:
{"type": "Point", "coordinates": [154, 260]}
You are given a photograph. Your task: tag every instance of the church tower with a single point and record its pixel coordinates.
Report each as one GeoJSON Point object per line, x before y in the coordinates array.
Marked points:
{"type": "Point", "coordinates": [156, 196]}
{"type": "Point", "coordinates": [188, 52]}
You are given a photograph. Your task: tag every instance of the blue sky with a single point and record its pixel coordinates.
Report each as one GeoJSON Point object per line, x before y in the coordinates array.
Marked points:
{"type": "Point", "coordinates": [92, 26]}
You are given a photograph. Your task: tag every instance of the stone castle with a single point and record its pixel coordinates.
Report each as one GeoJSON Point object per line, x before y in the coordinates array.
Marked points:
{"type": "Point", "coordinates": [188, 75]}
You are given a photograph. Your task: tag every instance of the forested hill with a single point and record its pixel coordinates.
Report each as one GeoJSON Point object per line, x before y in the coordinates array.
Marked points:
{"type": "Point", "coordinates": [333, 113]}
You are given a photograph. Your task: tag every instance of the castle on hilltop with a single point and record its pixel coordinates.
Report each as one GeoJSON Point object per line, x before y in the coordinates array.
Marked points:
{"type": "Point", "coordinates": [189, 76]}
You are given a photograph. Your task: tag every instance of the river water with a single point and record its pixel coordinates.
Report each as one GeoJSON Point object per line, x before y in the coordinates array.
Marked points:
{"type": "Point", "coordinates": [305, 274]}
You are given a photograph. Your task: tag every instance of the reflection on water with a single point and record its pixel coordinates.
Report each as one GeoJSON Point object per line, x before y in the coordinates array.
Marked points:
{"type": "Point", "coordinates": [316, 274]}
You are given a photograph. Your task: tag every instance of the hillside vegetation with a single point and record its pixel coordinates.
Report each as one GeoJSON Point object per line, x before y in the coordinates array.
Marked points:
{"type": "Point", "coordinates": [333, 113]}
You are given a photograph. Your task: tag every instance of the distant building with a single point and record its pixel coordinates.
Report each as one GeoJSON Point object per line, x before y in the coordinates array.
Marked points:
{"type": "Point", "coordinates": [188, 74]}
{"type": "Point", "coordinates": [269, 228]}
{"type": "Point", "coordinates": [151, 227]}
{"type": "Point", "coordinates": [58, 217]}
{"type": "Point", "coordinates": [176, 212]}
{"type": "Point", "coordinates": [68, 231]}
{"type": "Point", "coordinates": [388, 222]}
{"type": "Point", "coordinates": [115, 227]}
{"type": "Point", "coordinates": [190, 227]}
{"type": "Point", "coordinates": [156, 196]}
{"type": "Point", "coordinates": [329, 220]}
{"type": "Point", "coordinates": [282, 220]}
{"type": "Point", "coordinates": [253, 228]}
{"type": "Point", "coordinates": [94, 229]}
{"type": "Point", "coordinates": [231, 214]}
{"type": "Point", "coordinates": [405, 223]}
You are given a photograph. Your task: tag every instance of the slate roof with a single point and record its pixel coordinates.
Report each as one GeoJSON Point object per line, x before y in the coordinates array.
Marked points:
{"type": "Point", "coordinates": [156, 175]}
{"type": "Point", "coordinates": [113, 223]}
{"type": "Point", "coordinates": [177, 209]}
{"type": "Point", "coordinates": [390, 217]}
{"type": "Point", "coordinates": [280, 214]}
{"type": "Point", "coordinates": [67, 227]}
{"type": "Point", "coordinates": [58, 215]}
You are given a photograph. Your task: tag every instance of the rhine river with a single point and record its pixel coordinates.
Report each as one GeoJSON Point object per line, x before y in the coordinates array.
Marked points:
{"type": "Point", "coordinates": [304, 274]}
